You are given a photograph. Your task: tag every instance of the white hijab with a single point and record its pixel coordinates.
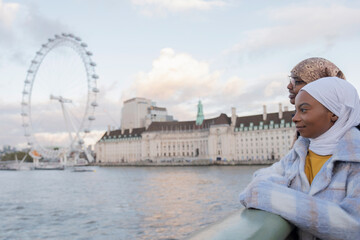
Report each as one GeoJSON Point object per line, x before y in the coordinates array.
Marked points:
{"type": "Point", "coordinates": [340, 98]}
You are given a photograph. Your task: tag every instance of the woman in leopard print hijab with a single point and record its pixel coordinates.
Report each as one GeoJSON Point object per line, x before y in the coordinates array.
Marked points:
{"type": "Point", "coordinates": [309, 70]}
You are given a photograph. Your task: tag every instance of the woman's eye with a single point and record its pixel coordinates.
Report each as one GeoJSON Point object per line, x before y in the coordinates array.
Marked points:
{"type": "Point", "coordinates": [303, 110]}
{"type": "Point", "coordinates": [299, 82]}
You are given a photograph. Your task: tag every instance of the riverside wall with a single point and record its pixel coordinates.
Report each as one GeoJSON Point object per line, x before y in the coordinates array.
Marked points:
{"type": "Point", "coordinates": [203, 162]}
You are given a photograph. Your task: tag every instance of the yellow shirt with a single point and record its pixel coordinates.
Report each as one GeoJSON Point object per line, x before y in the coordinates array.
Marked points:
{"type": "Point", "coordinates": [313, 164]}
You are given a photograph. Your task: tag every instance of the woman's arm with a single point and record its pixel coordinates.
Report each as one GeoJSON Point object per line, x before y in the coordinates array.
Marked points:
{"type": "Point", "coordinates": [276, 172]}
{"type": "Point", "coordinates": [322, 218]}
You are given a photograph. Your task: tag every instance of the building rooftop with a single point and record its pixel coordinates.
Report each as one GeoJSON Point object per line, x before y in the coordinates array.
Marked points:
{"type": "Point", "coordinates": [136, 132]}
{"type": "Point", "coordinates": [188, 125]}
{"type": "Point", "coordinates": [256, 119]}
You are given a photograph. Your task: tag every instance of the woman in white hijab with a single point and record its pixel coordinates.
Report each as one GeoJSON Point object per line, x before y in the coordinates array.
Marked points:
{"type": "Point", "coordinates": [317, 185]}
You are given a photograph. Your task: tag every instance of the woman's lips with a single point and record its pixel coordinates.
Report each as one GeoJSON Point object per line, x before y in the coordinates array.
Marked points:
{"type": "Point", "coordinates": [299, 129]}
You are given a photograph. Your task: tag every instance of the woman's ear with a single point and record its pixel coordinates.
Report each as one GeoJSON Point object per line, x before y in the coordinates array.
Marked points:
{"type": "Point", "coordinates": [334, 118]}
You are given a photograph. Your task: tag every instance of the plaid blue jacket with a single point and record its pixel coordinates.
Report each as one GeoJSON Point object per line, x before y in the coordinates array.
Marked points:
{"type": "Point", "coordinates": [329, 208]}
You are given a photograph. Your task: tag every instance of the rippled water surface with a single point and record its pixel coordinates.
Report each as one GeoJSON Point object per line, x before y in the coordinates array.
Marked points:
{"type": "Point", "coordinates": [118, 203]}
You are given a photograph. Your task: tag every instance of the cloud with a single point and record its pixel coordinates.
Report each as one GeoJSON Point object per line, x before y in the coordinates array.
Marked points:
{"type": "Point", "coordinates": [22, 26]}
{"type": "Point", "coordinates": [178, 77]}
{"type": "Point", "coordinates": [49, 125]}
{"type": "Point", "coordinates": [61, 139]}
{"type": "Point", "coordinates": [8, 13]}
{"type": "Point", "coordinates": [177, 81]}
{"type": "Point", "coordinates": [38, 27]}
{"type": "Point", "coordinates": [155, 7]}
{"type": "Point", "coordinates": [299, 26]}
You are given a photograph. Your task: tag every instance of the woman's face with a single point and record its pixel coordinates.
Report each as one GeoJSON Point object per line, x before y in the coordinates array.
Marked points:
{"type": "Point", "coordinates": [312, 119]}
{"type": "Point", "coordinates": [295, 84]}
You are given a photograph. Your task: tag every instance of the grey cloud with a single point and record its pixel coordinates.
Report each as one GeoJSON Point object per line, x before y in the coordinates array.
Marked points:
{"type": "Point", "coordinates": [50, 121]}
{"type": "Point", "coordinates": [29, 28]}
{"type": "Point", "coordinates": [299, 26]}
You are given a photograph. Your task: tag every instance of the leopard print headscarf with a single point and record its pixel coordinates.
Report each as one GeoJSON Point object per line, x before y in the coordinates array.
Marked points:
{"type": "Point", "coordinates": [312, 69]}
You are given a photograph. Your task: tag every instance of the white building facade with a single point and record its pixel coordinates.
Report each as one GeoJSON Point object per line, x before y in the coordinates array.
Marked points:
{"type": "Point", "coordinates": [250, 138]}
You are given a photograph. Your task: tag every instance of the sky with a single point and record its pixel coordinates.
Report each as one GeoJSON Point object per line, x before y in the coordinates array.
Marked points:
{"type": "Point", "coordinates": [226, 53]}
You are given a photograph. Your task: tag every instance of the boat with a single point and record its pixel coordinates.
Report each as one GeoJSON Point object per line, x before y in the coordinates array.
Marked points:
{"type": "Point", "coordinates": [83, 170]}
{"type": "Point", "coordinates": [49, 167]}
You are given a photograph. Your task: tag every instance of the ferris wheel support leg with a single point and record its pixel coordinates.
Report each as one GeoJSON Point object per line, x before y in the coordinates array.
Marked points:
{"type": "Point", "coordinates": [66, 121]}
{"type": "Point", "coordinates": [82, 148]}
{"type": "Point", "coordinates": [64, 160]}
{"type": "Point", "coordinates": [89, 157]}
{"type": "Point", "coordinates": [36, 162]}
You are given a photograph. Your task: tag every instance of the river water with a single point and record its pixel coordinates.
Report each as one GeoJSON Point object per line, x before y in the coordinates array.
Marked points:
{"type": "Point", "coordinates": [118, 203]}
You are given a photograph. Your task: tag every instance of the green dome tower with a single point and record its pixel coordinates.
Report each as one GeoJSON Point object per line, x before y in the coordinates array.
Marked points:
{"type": "Point", "coordinates": [200, 114]}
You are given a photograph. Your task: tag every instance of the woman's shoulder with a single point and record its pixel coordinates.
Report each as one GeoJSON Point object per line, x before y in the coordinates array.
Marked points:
{"type": "Point", "coordinates": [348, 146]}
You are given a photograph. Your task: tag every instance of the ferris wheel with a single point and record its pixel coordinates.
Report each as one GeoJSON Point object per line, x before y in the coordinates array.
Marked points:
{"type": "Point", "coordinates": [59, 98]}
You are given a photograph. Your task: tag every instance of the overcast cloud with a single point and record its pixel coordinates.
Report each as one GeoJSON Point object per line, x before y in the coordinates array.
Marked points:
{"type": "Point", "coordinates": [296, 26]}
{"type": "Point", "coordinates": [162, 7]}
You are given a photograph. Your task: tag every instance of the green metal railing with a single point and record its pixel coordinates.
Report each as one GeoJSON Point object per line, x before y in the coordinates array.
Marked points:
{"type": "Point", "coordinates": [247, 224]}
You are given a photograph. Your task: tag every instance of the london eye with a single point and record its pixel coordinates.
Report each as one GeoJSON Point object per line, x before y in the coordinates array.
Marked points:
{"type": "Point", "coordinates": [59, 99]}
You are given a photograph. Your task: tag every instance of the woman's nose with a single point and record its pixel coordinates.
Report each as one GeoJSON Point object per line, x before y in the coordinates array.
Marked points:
{"type": "Point", "coordinates": [290, 86]}
{"type": "Point", "coordinates": [295, 118]}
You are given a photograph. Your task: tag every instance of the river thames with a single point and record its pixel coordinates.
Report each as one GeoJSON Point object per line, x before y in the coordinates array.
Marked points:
{"type": "Point", "coordinates": [118, 203]}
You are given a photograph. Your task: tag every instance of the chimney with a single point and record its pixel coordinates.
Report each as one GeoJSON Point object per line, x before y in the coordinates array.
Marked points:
{"type": "Point", "coordinates": [280, 111]}
{"type": "Point", "coordinates": [264, 113]}
{"type": "Point", "coordinates": [286, 108]}
{"type": "Point", "coordinates": [233, 116]}
{"type": "Point", "coordinates": [147, 123]}
{"type": "Point", "coordinates": [108, 131]}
